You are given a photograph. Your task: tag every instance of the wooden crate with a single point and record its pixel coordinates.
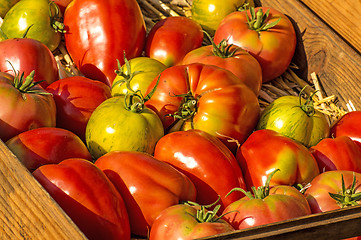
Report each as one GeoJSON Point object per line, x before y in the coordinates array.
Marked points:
{"type": "Point", "coordinates": [330, 46]}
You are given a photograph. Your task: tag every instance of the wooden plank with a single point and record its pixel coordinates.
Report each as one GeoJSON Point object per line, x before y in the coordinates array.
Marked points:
{"type": "Point", "coordinates": [322, 51]}
{"type": "Point", "coordinates": [26, 210]}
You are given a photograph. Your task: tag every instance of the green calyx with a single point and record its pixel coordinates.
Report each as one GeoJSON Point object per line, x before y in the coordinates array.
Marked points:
{"type": "Point", "coordinates": [308, 107]}
{"type": "Point", "coordinates": [347, 197]}
{"type": "Point", "coordinates": [187, 109]}
{"type": "Point", "coordinates": [126, 76]}
{"type": "Point", "coordinates": [56, 19]}
{"type": "Point", "coordinates": [223, 49]}
{"type": "Point", "coordinates": [258, 22]}
{"type": "Point", "coordinates": [205, 215]}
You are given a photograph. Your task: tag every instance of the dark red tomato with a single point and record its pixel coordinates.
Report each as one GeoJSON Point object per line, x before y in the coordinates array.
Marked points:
{"type": "Point", "coordinates": [23, 106]}
{"type": "Point", "coordinates": [146, 184]}
{"type": "Point", "coordinates": [187, 222]}
{"type": "Point", "coordinates": [26, 55]}
{"type": "Point", "coordinates": [88, 197]}
{"type": "Point", "coordinates": [100, 32]}
{"type": "Point", "coordinates": [340, 153]}
{"type": "Point", "coordinates": [172, 38]}
{"type": "Point", "coordinates": [76, 98]}
{"type": "Point", "coordinates": [206, 161]}
{"type": "Point", "coordinates": [266, 150]}
{"type": "Point", "coordinates": [271, 38]}
{"type": "Point", "coordinates": [205, 97]}
{"type": "Point", "coordinates": [232, 58]}
{"type": "Point", "coordinates": [45, 145]}
{"type": "Point", "coordinates": [348, 125]}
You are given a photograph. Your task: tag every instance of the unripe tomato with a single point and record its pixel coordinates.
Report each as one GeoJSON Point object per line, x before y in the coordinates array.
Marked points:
{"type": "Point", "coordinates": [5, 6]}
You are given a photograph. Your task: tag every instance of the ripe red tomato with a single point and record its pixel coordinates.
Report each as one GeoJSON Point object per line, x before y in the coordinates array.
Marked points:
{"type": "Point", "coordinates": [76, 98]}
{"type": "Point", "coordinates": [172, 38]}
{"type": "Point", "coordinates": [46, 145]}
{"type": "Point", "coordinates": [271, 42]}
{"type": "Point", "coordinates": [348, 125]}
{"type": "Point", "coordinates": [27, 55]}
{"type": "Point", "coordinates": [206, 161]}
{"type": "Point", "coordinates": [87, 196]}
{"type": "Point", "coordinates": [100, 32]}
{"type": "Point", "coordinates": [23, 107]}
{"type": "Point", "coordinates": [205, 97]}
{"type": "Point", "coordinates": [146, 184]}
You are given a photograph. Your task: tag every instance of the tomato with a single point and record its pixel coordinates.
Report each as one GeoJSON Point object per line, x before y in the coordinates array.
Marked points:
{"type": "Point", "coordinates": [118, 126]}
{"type": "Point", "coordinates": [24, 106]}
{"type": "Point", "coordinates": [348, 125]}
{"type": "Point", "coordinates": [340, 153]}
{"type": "Point", "coordinates": [76, 98]}
{"type": "Point", "coordinates": [99, 32]}
{"type": "Point", "coordinates": [232, 58]}
{"type": "Point", "coordinates": [5, 6]}
{"type": "Point", "coordinates": [209, 13]}
{"type": "Point", "coordinates": [47, 145]}
{"type": "Point", "coordinates": [136, 74]}
{"type": "Point", "coordinates": [146, 184]}
{"type": "Point", "coordinates": [87, 196]}
{"type": "Point", "coordinates": [295, 117]}
{"type": "Point", "coordinates": [269, 37]}
{"type": "Point", "coordinates": [206, 161]}
{"type": "Point", "coordinates": [62, 4]}
{"type": "Point", "coordinates": [205, 97]}
{"type": "Point", "coordinates": [26, 55]}
{"type": "Point", "coordinates": [187, 222]}
{"type": "Point", "coordinates": [40, 18]}
{"type": "Point", "coordinates": [170, 39]}
{"type": "Point", "coordinates": [266, 150]}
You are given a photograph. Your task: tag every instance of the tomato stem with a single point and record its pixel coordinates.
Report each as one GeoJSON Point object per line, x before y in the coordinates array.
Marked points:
{"type": "Point", "coordinates": [56, 19]}
{"type": "Point", "coordinates": [347, 197]}
{"type": "Point", "coordinates": [203, 214]}
{"type": "Point", "coordinates": [222, 49]}
{"type": "Point", "coordinates": [258, 21]}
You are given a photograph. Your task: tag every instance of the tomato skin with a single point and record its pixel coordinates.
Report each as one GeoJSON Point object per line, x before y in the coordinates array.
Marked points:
{"type": "Point", "coordinates": [26, 55]}
{"type": "Point", "coordinates": [62, 4]}
{"type": "Point", "coordinates": [46, 145]}
{"type": "Point", "coordinates": [266, 150]}
{"type": "Point", "coordinates": [242, 64]}
{"type": "Point", "coordinates": [20, 112]}
{"type": "Point", "coordinates": [76, 98]}
{"type": "Point", "coordinates": [172, 38]}
{"type": "Point", "coordinates": [206, 161]}
{"type": "Point", "coordinates": [273, 48]}
{"type": "Point", "coordinates": [93, 40]}
{"type": "Point", "coordinates": [76, 184]}
{"type": "Point", "coordinates": [224, 107]}
{"type": "Point", "coordinates": [348, 125]}
{"type": "Point", "coordinates": [178, 222]}
{"type": "Point", "coordinates": [5, 6]}
{"type": "Point", "coordinates": [284, 202]}
{"type": "Point", "coordinates": [146, 184]}
{"type": "Point", "coordinates": [340, 153]}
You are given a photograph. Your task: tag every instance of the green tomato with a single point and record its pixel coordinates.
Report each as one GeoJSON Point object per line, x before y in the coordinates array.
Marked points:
{"type": "Point", "coordinates": [296, 118]}
{"type": "Point", "coordinates": [5, 5]}
{"type": "Point", "coordinates": [136, 74]}
{"type": "Point", "coordinates": [209, 13]}
{"type": "Point", "coordinates": [39, 18]}
{"type": "Point", "coordinates": [113, 127]}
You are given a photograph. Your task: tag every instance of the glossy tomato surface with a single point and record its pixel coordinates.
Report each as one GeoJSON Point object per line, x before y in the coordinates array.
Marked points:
{"type": "Point", "coordinates": [348, 125]}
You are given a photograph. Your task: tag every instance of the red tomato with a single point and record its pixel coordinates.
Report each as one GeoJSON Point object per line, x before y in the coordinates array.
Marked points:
{"type": "Point", "coordinates": [205, 97]}
{"type": "Point", "coordinates": [206, 161]}
{"type": "Point", "coordinates": [185, 222]}
{"type": "Point", "coordinates": [146, 184]}
{"type": "Point", "coordinates": [272, 46]}
{"type": "Point", "coordinates": [266, 150]}
{"type": "Point", "coordinates": [76, 98]}
{"type": "Point", "coordinates": [172, 38]}
{"type": "Point", "coordinates": [340, 153]}
{"type": "Point", "coordinates": [348, 125]}
{"type": "Point", "coordinates": [232, 58]}
{"type": "Point", "coordinates": [23, 107]}
{"type": "Point", "coordinates": [88, 197]}
{"type": "Point", "coordinates": [26, 55]}
{"type": "Point", "coordinates": [45, 145]}
{"type": "Point", "coordinates": [100, 32]}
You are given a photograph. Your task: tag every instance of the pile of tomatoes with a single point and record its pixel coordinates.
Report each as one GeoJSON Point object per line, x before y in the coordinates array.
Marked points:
{"type": "Point", "coordinates": [161, 135]}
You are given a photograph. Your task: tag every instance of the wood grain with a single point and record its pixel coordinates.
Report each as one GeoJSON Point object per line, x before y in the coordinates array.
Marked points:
{"type": "Point", "coordinates": [26, 210]}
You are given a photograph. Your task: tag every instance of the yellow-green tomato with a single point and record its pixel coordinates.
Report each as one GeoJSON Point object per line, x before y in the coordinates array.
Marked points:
{"type": "Point", "coordinates": [139, 72]}
{"type": "Point", "coordinates": [113, 127]}
{"type": "Point", "coordinates": [5, 5]}
{"type": "Point", "coordinates": [209, 13]}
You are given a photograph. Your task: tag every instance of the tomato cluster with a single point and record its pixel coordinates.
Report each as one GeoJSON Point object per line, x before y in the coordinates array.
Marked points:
{"type": "Point", "coordinates": [161, 135]}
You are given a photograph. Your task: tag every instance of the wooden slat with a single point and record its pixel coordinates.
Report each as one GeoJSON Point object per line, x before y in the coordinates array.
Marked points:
{"type": "Point", "coordinates": [26, 210]}
{"type": "Point", "coordinates": [322, 51]}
